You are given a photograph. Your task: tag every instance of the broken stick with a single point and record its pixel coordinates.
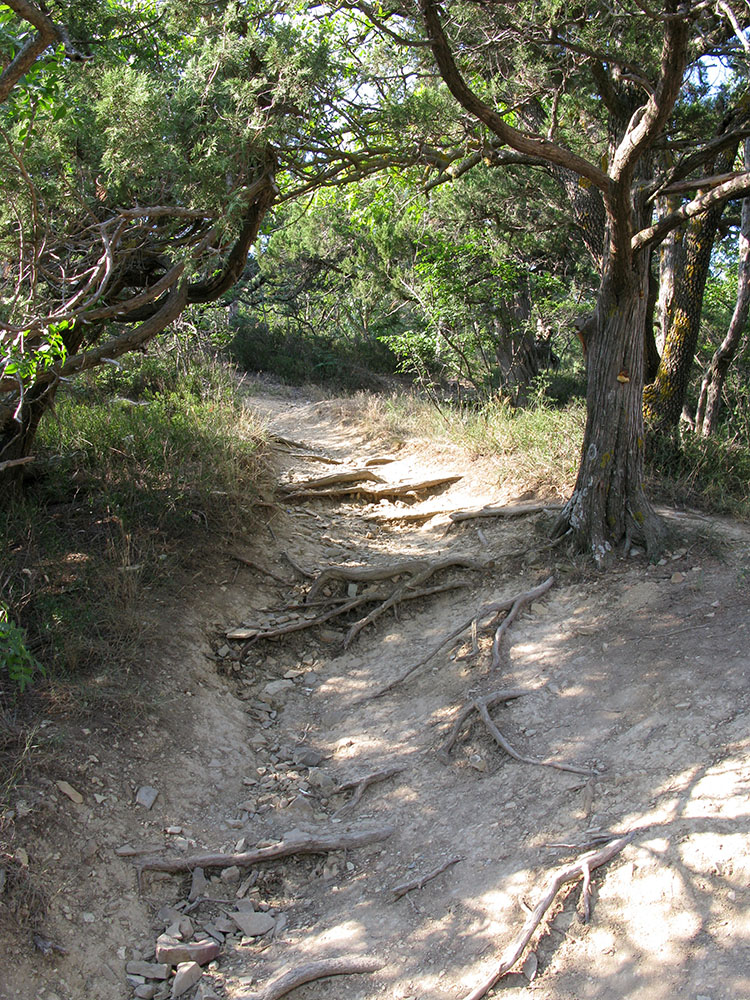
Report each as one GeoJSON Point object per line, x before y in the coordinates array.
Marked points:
{"type": "Point", "coordinates": [306, 844]}
{"type": "Point", "coordinates": [289, 981]}
{"type": "Point", "coordinates": [419, 883]}
{"type": "Point", "coordinates": [580, 869]}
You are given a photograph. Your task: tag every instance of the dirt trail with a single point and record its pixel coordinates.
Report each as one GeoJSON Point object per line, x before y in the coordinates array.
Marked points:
{"type": "Point", "coordinates": [641, 674]}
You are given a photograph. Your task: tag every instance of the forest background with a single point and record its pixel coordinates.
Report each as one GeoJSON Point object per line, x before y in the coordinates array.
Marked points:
{"type": "Point", "coordinates": [516, 207]}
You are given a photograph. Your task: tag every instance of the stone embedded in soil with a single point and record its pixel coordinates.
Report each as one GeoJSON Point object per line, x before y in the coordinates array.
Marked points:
{"type": "Point", "coordinates": [174, 952]}
{"type": "Point", "coordinates": [149, 970]}
{"type": "Point", "coordinates": [253, 924]}
{"type": "Point", "coordinates": [231, 874]}
{"type": "Point", "coordinates": [276, 692]}
{"type": "Point", "coordinates": [307, 756]}
{"type": "Point", "coordinates": [198, 884]}
{"type": "Point", "coordinates": [147, 991]}
{"type": "Point", "coordinates": [146, 796]}
{"type": "Point", "coordinates": [72, 793]}
{"type": "Point", "coordinates": [187, 975]}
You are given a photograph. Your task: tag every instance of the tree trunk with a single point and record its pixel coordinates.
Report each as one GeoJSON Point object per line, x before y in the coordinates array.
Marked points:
{"type": "Point", "coordinates": [682, 302]}
{"type": "Point", "coordinates": [608, 507]}
{"type": "Point", "coordinates": [709, 401]}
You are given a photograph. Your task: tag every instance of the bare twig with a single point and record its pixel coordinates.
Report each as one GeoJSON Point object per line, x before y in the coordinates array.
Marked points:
{"type": "Point", "coordinates": [289, 981]}
{"type": "Point", "coordinates": [580, 869]}
{"type": "Point", "coordinates": [360, 784]}
{"type": "Point", "coordinates": [305, 844]}
{"type": "Point", "coordinates": [512, 510]}
{"type": "Point", "coordinates": [418, 883]}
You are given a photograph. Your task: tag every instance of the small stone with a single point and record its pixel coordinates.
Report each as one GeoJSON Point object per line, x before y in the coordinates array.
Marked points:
{"type": "Point", "coordinates": [307, 756]}
{"type": "Point", "coordinates": [88, 918]}
{"type": "Point", "coordinates": [147, 991]}
{"type": "Point", "coordinates": [478, 762]}
{"type": "Point", "coordinates": [168, 915]}
{"type": "Point", "coordinates": [173, 830]}
{"type": "Point", "coordinates": [22, 857]}
{"type": "Point", "coordinates": [185, 925]}
{"type": "Point", "coordinates": [253, 924]}
{"type": "Point", "coordinates": [530, 966]}
{"type": "Point", "coordinates": [225, 925]}
{"type": "Point", "coordinates": [677, 578]}
{"type": "Point", "coordinates": [230, 875]}
{"type": "Point", "coordinates": [174, 952]}
{"type": "Point", "coordinates": [146, 796]}
{"type": "Point", "coordinates": [198, 884]}
{"type": "Point", "coordinates": [71, 792]}
{"type": "Point", "coordinates": [150, 970]}
{"type": "Point", "coordinates": [223, 651]}
{"type": "Point", "coordinates": [187, 975]}
{"type": "Point", "coordinates": [329, 636]}
{"type": "Point", "coordinates": [276, 691]}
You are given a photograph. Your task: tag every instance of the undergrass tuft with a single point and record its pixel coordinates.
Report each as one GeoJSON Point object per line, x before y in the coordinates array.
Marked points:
{"type": "Point", "coordinates": [137, 474]}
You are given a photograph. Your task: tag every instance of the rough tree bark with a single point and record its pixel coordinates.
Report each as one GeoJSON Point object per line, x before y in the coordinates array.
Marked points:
{"type": "Point", "coordinates": [709, 400]}
{"type": "Point", "coordinates": [685, 266]}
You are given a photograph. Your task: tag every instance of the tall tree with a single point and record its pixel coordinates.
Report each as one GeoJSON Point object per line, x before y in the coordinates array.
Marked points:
{"type": "Point", "coordinates": [608, 506]}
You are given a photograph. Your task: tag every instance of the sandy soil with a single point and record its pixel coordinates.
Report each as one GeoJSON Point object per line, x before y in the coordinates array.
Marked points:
{"type": "Point", "coordinates": [640, 675]}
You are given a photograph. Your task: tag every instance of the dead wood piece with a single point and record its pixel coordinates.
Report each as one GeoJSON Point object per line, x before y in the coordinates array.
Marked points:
{"type": "Point", "coordinates": [492, 699]}
{"type": "Point", "coordinates": [511, 510]}
{"type": "Point", "coordinates": [305, 844]}
{"type": "Point", "coordinates": [289, 981]}
{"type": "Point", "coordinates": [419, 883]}
{"type": "Point", "coordinates": [12, 462]}
{"type": "Point", "coordinates": [495, 608]}
{"type": "Point", "coordinates": [348, 476]}
{"type": "Point", "coordinates": [580, 869]}
{"type": "Point", "coordinates": [261, 569]}
{"type": "Point", "coordinates": [360, 784]}
{"type": "Point", "coordinates": [376, 493]}
{"type": "Point", "coordinates": [501, 741]}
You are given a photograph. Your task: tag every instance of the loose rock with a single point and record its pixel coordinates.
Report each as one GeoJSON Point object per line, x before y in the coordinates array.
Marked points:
{"type": "Point", "coordinates": [253, 924]}
{"type": "Point", "coordinates": [187, 975]}
{"type": "Point", "coordinates": [174, 952]}
{"type": "Point", "coordinates": [146, 796]}
{"type": "Point", "coordinates": [150, 970]}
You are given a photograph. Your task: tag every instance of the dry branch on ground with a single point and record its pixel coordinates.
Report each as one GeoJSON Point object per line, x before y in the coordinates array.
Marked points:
{"type": "Point", "coordinates": [580, 869]}
{"type": "Point", "coordinates": [419, 883]}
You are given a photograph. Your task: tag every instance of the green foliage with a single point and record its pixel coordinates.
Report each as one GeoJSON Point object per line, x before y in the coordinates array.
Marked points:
{"type": "Point", "coordinates": [15, 658]}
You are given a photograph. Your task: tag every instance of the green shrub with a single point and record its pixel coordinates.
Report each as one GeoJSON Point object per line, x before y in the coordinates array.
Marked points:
{"type": "Point", "coordinates": [15, 659]}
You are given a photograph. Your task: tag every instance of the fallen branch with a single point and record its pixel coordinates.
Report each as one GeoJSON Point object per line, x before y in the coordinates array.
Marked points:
{"type": "Point", "coordinates": [501, 741]}
{"type": "Point", "coordinates": [580, 869]}
{"type": "Point", "coordinates": [360, 784]}
{"type": "Point", "coordinates": [495, 608]}
{"type": "Point", "coordinates": [12, 462]}
{"type": "Point", "coordinates": [511, 510]}
{"type": "Point", "coordinates": [419, 883]}
{"type": "Point", "coordinates": [289, 981]}
{"type": "Point", "coordinates": [305, 844]}
{"type": "Point", "coordinates": [492, 699]}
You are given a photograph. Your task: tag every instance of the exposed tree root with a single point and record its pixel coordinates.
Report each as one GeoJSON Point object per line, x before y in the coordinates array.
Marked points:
{"type": "Point", "coordinates": [304, 844]}
{"type": "Point", "coordinates": [494, 698]}
{"type": "Point", "coordinates": [360, 784]}
{"type": "Point", "coordinates": [289, 981]}
{"type": "Point", "coordinates": [261, 569]}
{"type": "Point", "coordinates": [309, 487]}
{"type": "Point", "coordinates": [419, 883]}
{"type": "Point", "coordinates": [511, 510]}
{"type": "Point", "coordinates": [581, 869]}
{"type": "Point", "coordinates": [300, 491]}
{"type": "Point", "coordinates": [481, 707]}
{"type": "Point", "coordinates": [493, 609]}
{"type": "Point", "coordinates": [409, 578]}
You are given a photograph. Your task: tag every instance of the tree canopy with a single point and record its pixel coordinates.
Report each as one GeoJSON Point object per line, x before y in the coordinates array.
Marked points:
{"type": "Point", "coordinates": [457, 172]}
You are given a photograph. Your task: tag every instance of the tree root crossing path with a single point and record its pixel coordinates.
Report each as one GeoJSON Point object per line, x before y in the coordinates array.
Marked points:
{"type": "Point", "coordinates": [426, 755]}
